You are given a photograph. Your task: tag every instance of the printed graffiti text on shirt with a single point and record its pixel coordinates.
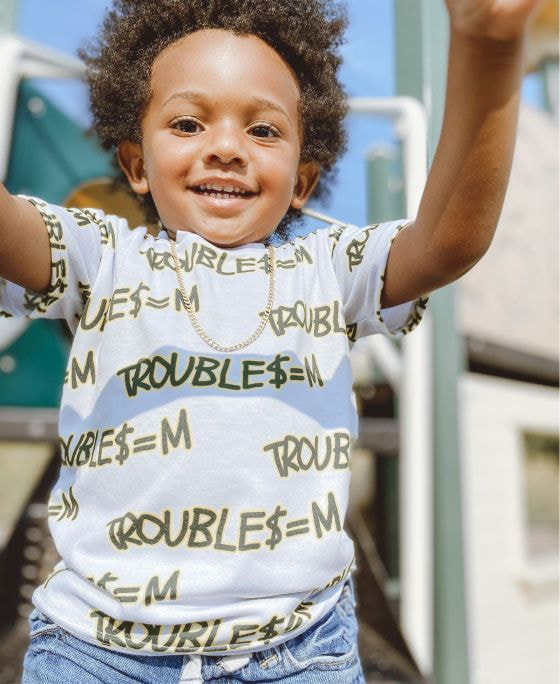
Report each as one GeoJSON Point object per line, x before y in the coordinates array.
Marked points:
{"type": "Point", "coordinates": [156, 372]}
{"type": "Point", "coordinates": [81, 373]}
{"type": "Point", "coordinates": [201, 636]}
{"type": "Point", "coordinates": [207, 257]}
{"type": "Point", "coordinates": [40, 302]}
{"type": "Point", "coordinates": [68, 508]}
{"type": "Point", "coordinates": [127, 302]}
{"type": "Point", "coordinates": [84, 218]}
{"type": "Point", "coordinates": [152, 591]}
{"type": "Point", "coordinates": [205, 528]}
{"type": "Point", "coordinates": [355, 248]}
{"type": "Point", "coordinates": [91, 447]}
{"type": "Point", "coordinates": [289, 452]}
{"type": "Point", "coordinates": [318, 321]}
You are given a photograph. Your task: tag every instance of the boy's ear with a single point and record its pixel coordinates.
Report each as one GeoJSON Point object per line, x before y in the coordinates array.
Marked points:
{"type": "Point", "coordinates": [307, 179]}
{"type": "Point", "coordinates": [131, 162]}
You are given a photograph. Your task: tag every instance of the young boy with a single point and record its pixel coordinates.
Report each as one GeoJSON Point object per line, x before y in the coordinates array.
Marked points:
{"type": "Point", "coordinates": [206, 425]}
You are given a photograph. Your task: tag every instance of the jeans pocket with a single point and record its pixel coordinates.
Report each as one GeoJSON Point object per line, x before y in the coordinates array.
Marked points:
{"type": "Point", "coordinates": [330, 644]}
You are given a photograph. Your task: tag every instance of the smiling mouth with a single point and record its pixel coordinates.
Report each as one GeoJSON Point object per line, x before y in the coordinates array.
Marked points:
{"type": "Point", "coordinates": [222, 192]}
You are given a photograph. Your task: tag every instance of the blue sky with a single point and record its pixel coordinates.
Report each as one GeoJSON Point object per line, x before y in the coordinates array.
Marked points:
{"type": "Point", "coordinates": [368, 70]}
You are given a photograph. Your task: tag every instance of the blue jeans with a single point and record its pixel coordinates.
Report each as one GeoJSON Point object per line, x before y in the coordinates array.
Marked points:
{"type": "Point", "coordinates": [327, 653]}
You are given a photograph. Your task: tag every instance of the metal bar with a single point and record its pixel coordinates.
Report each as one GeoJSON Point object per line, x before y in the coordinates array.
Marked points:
{"type": "Point", "coordinates": [410, 127]}
{"type": "Point", "coordinates": [8, 15]}
{"type": "Point", "coordinates": [421, 47]}
{"type": "Point", "coordinates": [25, 59]}
{"type": "Point", "coordinates": [381, 435]}
{"type": "Point", "coordinates": [511, 363]}
{"type": "Point", "coordinates": [414, 402]}
{"type": "Point", "coordinates": [384, 182]}
{"type": "Point", "coordinates": [323, 217]}
{"type": "Point", "coordinates": [29, 425]}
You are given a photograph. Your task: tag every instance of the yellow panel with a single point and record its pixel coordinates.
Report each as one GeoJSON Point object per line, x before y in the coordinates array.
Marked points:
{"type": "Point", "coordinates": [101, 193]}
{"type": "Point", "coordinates": [22, 465]}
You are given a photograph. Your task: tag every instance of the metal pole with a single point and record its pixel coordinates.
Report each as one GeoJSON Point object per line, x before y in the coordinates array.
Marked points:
{"type": "Point", "coordinates": [421, 47]}
{"type": "Point", "coordinates": [384, 182]}
{"type": "Point", "coordinates": [414, 403]}
{"type": "Point", "coordinates": [8, 15]}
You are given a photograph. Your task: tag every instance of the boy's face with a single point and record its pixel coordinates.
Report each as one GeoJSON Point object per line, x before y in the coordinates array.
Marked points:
{"type": "Point", "coordinates": [221, 140]}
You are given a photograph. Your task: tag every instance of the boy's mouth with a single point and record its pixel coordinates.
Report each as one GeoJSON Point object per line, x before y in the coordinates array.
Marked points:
{"type": "Point", "coordinates": [219, 191]}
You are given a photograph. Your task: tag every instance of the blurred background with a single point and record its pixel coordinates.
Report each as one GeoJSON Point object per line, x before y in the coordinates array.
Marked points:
{"type": "Point", "coordinates": [454, 500]}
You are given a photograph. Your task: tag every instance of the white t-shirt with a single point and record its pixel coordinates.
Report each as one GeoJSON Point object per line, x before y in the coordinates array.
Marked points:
{"type": "Point", "coordinates": [202, 496]}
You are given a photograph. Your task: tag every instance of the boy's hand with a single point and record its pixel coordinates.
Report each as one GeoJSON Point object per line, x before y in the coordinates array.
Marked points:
{"type": "Point", "coordinates": [502, 20]}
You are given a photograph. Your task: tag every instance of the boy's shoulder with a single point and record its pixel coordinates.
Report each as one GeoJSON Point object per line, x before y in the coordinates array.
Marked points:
{"type": "Point", "coordinates": [334, 236]}
{"type": "Point", "coordinates": [328, 232]}
{"type": "Point", "coordinates": [106, 222]}
{"type": "Point", "coordinates": [110, 228]}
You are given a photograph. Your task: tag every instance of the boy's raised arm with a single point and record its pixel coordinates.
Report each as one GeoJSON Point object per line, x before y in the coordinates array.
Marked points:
{"type": "Point", "coordinates": [25, 254]}
{"type": "Point", "coordinates": [466, 186]}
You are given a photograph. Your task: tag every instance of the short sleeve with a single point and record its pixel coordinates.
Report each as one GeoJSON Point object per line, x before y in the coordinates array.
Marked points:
{"type": "Point", "coordinates": [359, 257]}
{"type": "Point", "coordinates": [77, 238]}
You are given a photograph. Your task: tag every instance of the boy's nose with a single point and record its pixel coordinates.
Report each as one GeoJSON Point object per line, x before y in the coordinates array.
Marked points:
{"type": "Point", "coordinates": [226, 146]}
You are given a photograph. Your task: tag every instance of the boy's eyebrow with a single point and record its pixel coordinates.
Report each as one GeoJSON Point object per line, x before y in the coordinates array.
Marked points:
{"type": "Point", "coordinates": [259, 102]}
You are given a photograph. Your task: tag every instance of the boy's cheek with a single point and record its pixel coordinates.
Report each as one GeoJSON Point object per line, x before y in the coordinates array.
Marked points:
{"type": "Point", "coordinates": [169, 162]}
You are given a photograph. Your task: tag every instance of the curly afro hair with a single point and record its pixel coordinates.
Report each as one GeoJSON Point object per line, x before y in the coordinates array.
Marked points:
{"type": "Point", "coordinates": [305, 33]}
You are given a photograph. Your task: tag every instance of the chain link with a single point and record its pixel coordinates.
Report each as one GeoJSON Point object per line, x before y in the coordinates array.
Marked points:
{"type": "Point", "coordinates": [196, 325]}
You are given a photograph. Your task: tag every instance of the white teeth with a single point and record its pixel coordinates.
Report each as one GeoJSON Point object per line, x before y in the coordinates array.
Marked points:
{"type": "Point", "coordinates": [222, 188]}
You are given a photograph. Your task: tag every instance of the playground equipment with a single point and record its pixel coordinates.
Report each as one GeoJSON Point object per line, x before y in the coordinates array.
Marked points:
{"type": "Point", "coordinates": [432, 630]}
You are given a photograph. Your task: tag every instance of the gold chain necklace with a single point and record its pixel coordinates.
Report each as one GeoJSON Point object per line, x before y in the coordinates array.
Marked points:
{"type": "Point", "coordinates": [196, 325]}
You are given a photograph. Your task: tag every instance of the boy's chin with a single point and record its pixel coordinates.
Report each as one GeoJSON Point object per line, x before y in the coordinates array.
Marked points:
{"type": "Point", "coordinates": [223, 239]}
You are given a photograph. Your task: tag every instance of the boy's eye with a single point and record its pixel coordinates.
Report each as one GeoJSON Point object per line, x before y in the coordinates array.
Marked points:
{"type": "Point", "coordinates": [264, 131]}
{"type": "Point", "coordinates": [186, 125]}
{"type": "Point", "coordinates": [191, 127]}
